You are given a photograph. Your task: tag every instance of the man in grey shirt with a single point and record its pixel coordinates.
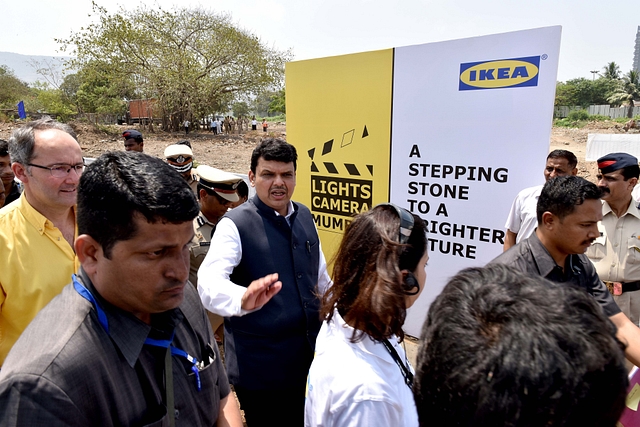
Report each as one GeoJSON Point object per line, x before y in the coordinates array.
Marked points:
{"type": "Point", "coordinates": [127, 342]}
{"type": "Point", "coordinates": [568, 211]}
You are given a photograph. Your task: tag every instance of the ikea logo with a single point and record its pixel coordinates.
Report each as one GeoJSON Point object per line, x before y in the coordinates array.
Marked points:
{"type": "Point", "coordinates": [502, 73]}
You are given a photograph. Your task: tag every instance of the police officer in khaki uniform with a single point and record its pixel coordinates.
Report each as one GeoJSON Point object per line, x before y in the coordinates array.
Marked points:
{"type": "Point", "coordinates": [217, 194]}
{"type": "Point", "coordinates": [616, 253]}
{"type": "Point", "coordinates": [180, 157]}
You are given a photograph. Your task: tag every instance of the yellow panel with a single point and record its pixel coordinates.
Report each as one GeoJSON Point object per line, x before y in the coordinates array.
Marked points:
{"type": "Point", "coordinates": [339, 119]}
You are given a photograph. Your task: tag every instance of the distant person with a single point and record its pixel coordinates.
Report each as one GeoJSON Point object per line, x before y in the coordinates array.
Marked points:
{"type": "Point", "coordinates": [616, 251]}
{"type": "Point", "coordinates": [127, 342]}
{"type": "Point", "coordinates": [265, 125]}
{"type": "Point", "coordinates": [522, 218]}
{"type": "Point", "coordinates": [254, 123]}
{"type": "Point", "coordinates": [240, 122]}
{"type": "Point", "coordinates": [500, 348]}
{"type": "Point", "coordinates": [11, 188]}
{"type": "Point", "coordinates": [360, 374]}
{"type": "Point", "coordinates": [180, 157]}
{"type": "Point", "coordinates": [37, 231]}
{"type": "Point", "coordinates": [214, 126]}
{"type": "Point", "coordinates": [264, 277]}
{"type": "Point", "coordinates": [569, 209]}
{"type": "Point", "coordinates": [133, 140]}
{"type": "Point", "coordinates": [216, 194]}
{"type": "Point", "coordinates": [186, 125]}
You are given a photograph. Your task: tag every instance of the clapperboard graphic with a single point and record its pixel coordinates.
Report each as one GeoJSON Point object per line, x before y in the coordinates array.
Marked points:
{"type": "Point", "coordinates": [339, 189]}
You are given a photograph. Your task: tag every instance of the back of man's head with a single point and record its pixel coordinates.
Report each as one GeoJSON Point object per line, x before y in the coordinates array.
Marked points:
{"type": "Point", "coordinates": [561, 195]}
{"type": "Point", "coordinates": [571, 158]}
{"type": "Point", "coordinates": [274, 149]}
{"type": "Point", "coordinates": [120, 184]}
{"type": "Point", "coordinates": [23, 140]}
{"type": "Point", "coordinates": [503, 349]}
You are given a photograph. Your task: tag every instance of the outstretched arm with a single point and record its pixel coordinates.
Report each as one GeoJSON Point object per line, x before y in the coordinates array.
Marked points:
{"type": "Point", "coordinates": [629, 334]}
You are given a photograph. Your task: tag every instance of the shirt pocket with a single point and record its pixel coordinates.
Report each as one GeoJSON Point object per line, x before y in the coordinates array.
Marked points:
{"type": "Point", "coordinates": [633, 256]}
{"type": "Point", "coordinates": [598, 249]}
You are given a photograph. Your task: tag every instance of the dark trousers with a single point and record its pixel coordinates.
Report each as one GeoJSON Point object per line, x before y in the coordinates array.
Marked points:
{"type": "Point", "coordinates": [273, 407]}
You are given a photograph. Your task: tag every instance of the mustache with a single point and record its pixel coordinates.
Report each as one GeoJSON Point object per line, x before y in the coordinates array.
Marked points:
{"type": "Point", "coordinates": [605, 189]}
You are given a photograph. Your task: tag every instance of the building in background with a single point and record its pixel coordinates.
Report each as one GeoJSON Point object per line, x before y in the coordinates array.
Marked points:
{"type": "Point", "coordinates": [636, 52]}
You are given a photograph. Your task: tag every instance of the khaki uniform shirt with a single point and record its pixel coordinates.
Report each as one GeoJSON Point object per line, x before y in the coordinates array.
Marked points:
{"type": "Point", "coordinates": [616, 253]}
{"type": "Point", "coordinates": [203, 230]}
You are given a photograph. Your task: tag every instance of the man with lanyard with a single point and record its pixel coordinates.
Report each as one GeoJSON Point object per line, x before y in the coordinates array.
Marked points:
{"type": "Point", "coordinates": [127, 342]}
{"type": "Point", "coordinates": [264, 277]}
{"type": "Point", "coordinates": [569, 209]}
{"type": "Point", "coordinates": [217, 193]}
{"type": "Point", "coordinates": [180, 157]}
{"type": "Point", "coordinates": [616, 252]}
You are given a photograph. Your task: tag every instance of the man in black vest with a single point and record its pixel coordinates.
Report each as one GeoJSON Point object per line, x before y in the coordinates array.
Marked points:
{"type": "Point", "coordinates": [264, 275]}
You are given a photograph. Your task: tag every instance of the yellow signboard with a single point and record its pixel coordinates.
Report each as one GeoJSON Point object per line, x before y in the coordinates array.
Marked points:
{"type": "Point", "coordinates": [344, 157]}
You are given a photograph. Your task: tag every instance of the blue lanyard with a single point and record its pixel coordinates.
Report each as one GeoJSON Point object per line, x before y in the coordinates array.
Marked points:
{"type": "Point", "coordinates": [102, 318]}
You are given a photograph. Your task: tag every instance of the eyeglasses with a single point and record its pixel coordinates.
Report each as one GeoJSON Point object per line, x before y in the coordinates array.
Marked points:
{"type": "Point", "coordinates": [61, 171]}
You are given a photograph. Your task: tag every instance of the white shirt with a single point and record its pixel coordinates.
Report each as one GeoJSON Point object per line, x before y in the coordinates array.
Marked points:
{"type": "Point", "coordinates": [523, 219]}
{"type": "Point", "coordinates": [356, 384]}
{"type": "Point", "coordinates": [220, 295]}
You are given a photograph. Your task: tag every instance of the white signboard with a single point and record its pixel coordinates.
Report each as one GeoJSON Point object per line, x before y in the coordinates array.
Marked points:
{"type": "Point", "coordinates": [471, 123]}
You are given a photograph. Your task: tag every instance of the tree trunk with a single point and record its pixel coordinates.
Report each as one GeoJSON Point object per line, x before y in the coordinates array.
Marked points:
{"type": "Point", "coordinates": [630, 112]}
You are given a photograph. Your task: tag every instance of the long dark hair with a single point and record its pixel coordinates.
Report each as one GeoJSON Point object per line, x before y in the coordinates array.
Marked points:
{"type": "Point", "coordinates": [368, 287]}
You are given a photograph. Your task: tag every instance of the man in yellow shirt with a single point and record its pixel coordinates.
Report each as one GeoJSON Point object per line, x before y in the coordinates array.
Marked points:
{"type": "Point", "coordinates": [38, 230]}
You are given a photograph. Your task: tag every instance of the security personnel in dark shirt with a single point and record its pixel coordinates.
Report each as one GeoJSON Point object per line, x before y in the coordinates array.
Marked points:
{"type": "Point", "coordinates": [568, 211]}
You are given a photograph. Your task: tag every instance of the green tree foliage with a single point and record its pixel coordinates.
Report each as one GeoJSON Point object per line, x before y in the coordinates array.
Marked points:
{"type": "Point", "coordinates": [611, 71]}
{"type": "Point", "coordinates": [626, 90]}
{"type": "Point", "coordinates": [12, 89]}
{"type": "Point", "coordinates": [50, 100]}
{"type": "Point", "coordinates": [584, 92]}
{"type": "Point", "coordinates": [193, 61]}
{"type": "Point", "coordinates": [278, 104]}
{"type": "Point", "coordinates": [240, 108]}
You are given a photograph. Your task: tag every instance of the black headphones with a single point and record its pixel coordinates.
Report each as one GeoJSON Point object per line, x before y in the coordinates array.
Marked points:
{"type": "Point", "coordinates": [410, 285]}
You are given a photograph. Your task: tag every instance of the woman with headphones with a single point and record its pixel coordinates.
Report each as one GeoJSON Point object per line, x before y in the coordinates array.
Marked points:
{"type": "Point", "coordinates": [360, 375]}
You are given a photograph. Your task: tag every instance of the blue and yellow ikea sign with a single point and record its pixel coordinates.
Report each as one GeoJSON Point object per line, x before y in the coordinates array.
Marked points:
{"type": "Point", "coordinates": [501, 73]}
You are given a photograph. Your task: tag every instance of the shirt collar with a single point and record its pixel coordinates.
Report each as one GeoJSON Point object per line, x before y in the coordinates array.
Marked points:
{"type": "Point", "coordinates": [631, 210]}
{"type": "Point", "coordinates": [367, 344]}
{"type": "Point", "coordinates": [544, 261]}
{"type": "Point", "coordinates": [291, 208]}
{"type": "Point", "coordinates": [35, 218]}
{"type": "Point", "coordinates": [127, 331]}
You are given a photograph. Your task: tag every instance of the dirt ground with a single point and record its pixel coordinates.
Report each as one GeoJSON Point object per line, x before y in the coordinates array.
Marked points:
{"type": "Point", "coordinates": [228, 152]}
{"type": "Point", "coordinates": [233, 152]}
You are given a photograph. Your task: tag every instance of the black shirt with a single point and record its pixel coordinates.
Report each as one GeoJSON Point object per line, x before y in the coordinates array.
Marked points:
{"type": "Point", "coordinates": [67, 370]}
{"type": "Point", "coordinates": [530, 256]}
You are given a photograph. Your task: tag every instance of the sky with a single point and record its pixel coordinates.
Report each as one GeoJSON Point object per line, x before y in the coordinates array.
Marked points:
{"type": "Point", "coordinates": [594, 33]}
